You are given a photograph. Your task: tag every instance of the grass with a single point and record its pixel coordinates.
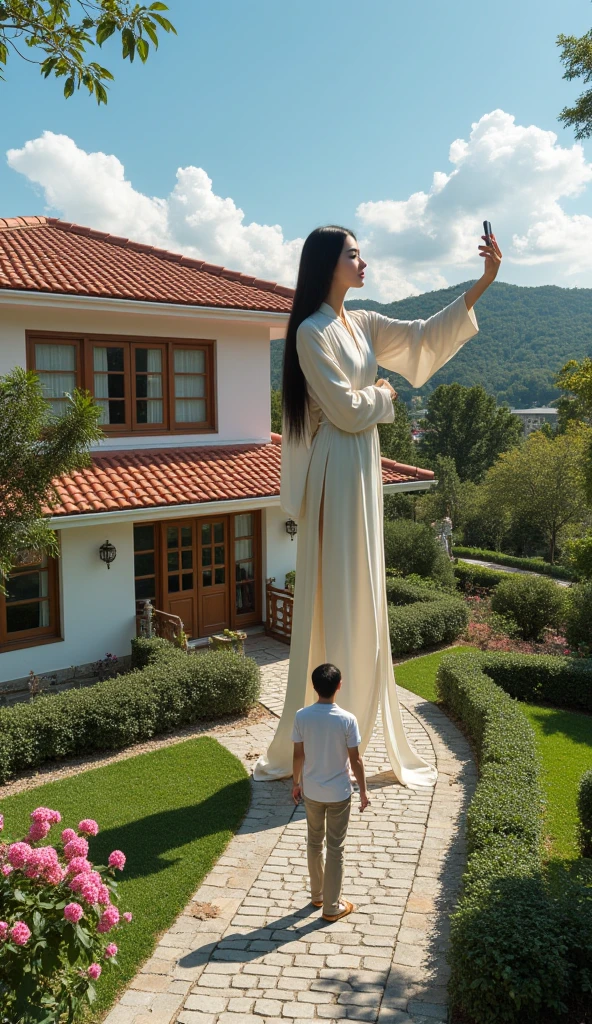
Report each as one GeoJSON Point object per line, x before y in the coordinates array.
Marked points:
{"type": "Point", "coordinates": [171, 811]}
{"type": "Point", "coordinates": [564, 740]}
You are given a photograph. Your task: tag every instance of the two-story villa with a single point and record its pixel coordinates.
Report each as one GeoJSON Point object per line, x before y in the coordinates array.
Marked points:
{"type": "Point", "coordinates": [185, 485]}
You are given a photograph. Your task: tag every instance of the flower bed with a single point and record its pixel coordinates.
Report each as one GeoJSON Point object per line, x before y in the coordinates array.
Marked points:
{"type": "Point", "coordinates": [57, 911]}
{"type": "Point", "coordinates": [421, 617]}
{"type": "Point", "coordinates": [519, 949]}
{"type": "Point", "coordinates": [166, 689]}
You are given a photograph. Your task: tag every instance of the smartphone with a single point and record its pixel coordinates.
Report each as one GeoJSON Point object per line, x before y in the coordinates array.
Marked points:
{"type": "Point", "coordinates": [487, 231]}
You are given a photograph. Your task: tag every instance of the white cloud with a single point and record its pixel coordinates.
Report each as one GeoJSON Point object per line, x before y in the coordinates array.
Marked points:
{"type": "Point", "coordinates": [518, 177]}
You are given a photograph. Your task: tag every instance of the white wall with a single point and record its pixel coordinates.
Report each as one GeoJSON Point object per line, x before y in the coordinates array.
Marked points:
{"type": "Point", "coordinates": [97, 604]}
{"type": "Point", "coordinates": [279, 552]}
{"type": "Point", "coordinates": [243, 355]}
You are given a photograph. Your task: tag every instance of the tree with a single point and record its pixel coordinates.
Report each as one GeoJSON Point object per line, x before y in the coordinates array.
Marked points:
{"type": "Point", "coordinates": [467, 425]}
{"type": "Point", "coordinates": [49, 27]}
{"type": "Point", "coordinates": [450, 497]}
{"type": "Point", "coordinates": [396, 441]}
{"type": "Point", "coordinates": [542, 482]}
{"type": "Point", "coordinates": [276, 412]}
{"type": "Point", "coordinates": [36, 448]}
{"type": "Point", "coordinates": [576, 57]}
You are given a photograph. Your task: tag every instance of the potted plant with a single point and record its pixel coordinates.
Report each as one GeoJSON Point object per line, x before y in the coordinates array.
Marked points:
{"type": "Point", "coordinates": [229, 640]}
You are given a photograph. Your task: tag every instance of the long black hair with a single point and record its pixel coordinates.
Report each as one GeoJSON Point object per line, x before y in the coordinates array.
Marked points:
{"type": "Point", "coordinates": [319, 257]}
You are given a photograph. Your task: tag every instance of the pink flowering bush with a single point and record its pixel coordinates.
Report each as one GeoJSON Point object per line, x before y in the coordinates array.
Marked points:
{"type": "Point", "coordinates": [55, 910]}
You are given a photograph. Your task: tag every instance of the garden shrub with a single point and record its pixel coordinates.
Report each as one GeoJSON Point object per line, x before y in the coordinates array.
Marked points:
{"type": "Point", "coordinates": [578, 616]}
{"type": "Point", "coordinates": [471, 576]}
{"type": "Point", "coordinates": [542, 679]}
{"type": "Point", "coordinates": [560, 572]}
{"type": "Point", "coordinates": [532, 601]}
{"type": "Point", "coordinates": [421, 617]}
{"type": "Point", "coordinates": [414, 548]}
{"type": "Point", "coordinates": [169, 690]}
{"type": "Point", "coordinates": [585, 813]}
{"type": "Point", "coordinates": [518, 951]}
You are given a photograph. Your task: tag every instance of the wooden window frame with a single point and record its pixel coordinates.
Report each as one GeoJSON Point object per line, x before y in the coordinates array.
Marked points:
{"type": "Point", "coordinates": [42, 634]}
{"type": "Point", "coordinates": [247, 618]}
{"type": "Point", "coordinates": [84, 377]}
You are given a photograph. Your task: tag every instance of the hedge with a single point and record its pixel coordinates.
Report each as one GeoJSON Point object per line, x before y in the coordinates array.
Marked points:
{"type": "Point", "coordinates": [517, 950]}
{"type": "Point", "coordinates": [166, 689]}
{"type": "Point", "coordinates": [560, 572]}
{"type": "Point", "coordinates": [585, 813]}
{"type": "Point", "coordinates": [542, 679]}
{"type": "Point", "coordinates": [469, 576]}
{"type": "Point", "coordinates": [421, 617]}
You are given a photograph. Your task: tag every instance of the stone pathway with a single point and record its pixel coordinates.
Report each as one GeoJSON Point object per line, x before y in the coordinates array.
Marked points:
{"type": "Point", "coordinates": [268, 956]}
{"type": "Point", "coordinates": [513, 569]}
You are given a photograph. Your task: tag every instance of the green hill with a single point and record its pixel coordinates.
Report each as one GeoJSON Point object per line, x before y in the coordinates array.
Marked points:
{"type": "Point", "coordinates": [525, 336]}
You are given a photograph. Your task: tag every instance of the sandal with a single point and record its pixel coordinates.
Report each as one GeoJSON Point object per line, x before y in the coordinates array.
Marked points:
{"type": "Point", "coordinates": [317, 903]}
{"type": "Point", "coordinates": [347, 909]}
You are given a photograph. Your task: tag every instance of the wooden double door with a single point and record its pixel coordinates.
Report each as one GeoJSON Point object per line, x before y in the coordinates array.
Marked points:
{"type": "Point", "coordinates": [206, 570]}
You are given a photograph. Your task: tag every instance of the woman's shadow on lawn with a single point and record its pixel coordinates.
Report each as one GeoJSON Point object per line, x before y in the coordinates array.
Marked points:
{"type": "Point", "coordinates": [146, 841]}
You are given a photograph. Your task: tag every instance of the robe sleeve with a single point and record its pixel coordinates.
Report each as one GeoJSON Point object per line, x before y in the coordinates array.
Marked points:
{"type": "Point", "coordinates": [347, 408]}
{"type": "Point", "coordinates": [418, 348]}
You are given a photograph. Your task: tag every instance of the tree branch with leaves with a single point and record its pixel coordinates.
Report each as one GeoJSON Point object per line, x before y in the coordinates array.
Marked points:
{"type": "Point", "coordinates": [50, 27]}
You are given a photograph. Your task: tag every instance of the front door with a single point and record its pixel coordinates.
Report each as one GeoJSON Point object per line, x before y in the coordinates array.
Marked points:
{"type": "Point", "coordinates": [213, 589]}
{"type": "Point", "coordinates": [180, 577]}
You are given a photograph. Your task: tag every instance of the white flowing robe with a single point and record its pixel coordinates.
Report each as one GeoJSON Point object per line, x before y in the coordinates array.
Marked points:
{"type": "Point", "coordinates": [340, 609]}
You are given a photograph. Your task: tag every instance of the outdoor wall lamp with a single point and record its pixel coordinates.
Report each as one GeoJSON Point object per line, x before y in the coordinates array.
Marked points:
{"type": "Point", "coordinates": [107, 553]}
{"type": "Point", "coordinates": [291, 528]}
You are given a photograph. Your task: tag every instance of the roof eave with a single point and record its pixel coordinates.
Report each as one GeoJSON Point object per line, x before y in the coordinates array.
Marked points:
{"type": "Point", "coordinates": [94, 303]}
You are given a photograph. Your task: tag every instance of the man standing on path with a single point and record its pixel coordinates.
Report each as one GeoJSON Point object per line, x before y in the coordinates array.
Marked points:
{"type": "Point", "coordinates": [326, 741]}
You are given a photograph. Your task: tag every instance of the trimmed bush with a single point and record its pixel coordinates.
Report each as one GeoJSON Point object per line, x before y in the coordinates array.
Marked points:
{"type": "Point", "coordinates": [585, 813]}
{"type": "Point", "coordinates": [413, 548]}
{"type": "Point", "coordinates": [518, 951]}
{"type": "Point", "coordinates": [169, 690]}
{"type": "Point", "coordinates": [559, 572]}
{"type": "Point", "coordinates": [532, 601]}
{"type": "Point", "coordinates": [471, 576]}
{"type": "Point", "coordinates": [542, 679]}
{"type": "Point", "coordinates": [421, 617]}
{"type": "Point", "coordinates": [578, 615]}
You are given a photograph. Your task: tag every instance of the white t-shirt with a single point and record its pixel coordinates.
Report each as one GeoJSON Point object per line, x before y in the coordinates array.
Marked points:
{"type": "Point", "coordinates": [327, 732]}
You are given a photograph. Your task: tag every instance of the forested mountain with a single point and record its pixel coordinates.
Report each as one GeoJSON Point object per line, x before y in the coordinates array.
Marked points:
{"type": "Point", "coordinates": [525, 336]}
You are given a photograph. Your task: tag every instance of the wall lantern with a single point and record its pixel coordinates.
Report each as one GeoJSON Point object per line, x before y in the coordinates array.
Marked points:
{"type": "Point", "coordinates": [291, 528]}
{"type": "Point", "coordinates": [107, 553]}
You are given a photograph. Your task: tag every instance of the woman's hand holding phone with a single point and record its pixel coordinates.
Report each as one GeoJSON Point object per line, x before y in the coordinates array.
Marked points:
{"type": "Point", "coordinates": [491, 253]}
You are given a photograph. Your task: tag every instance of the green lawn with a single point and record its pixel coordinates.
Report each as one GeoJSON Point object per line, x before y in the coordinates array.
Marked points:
{"type": "Point", "coordinates": [565, 743]}
{"type": "Point", "coordinates": [171, 811]}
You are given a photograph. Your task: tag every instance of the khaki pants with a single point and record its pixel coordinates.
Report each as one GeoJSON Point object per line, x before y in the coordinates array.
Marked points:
{"type": "Point", "coordinates": [326, 878]}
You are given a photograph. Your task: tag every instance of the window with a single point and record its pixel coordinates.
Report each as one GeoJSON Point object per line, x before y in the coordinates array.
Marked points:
{"type": "Point", "coordinates": [143, 385]}
{"type": "Point", "coordinates": [145, 563]}
{"type": "Point", "coordinates": [28, 610]}
{"type": "Point", "coordinates": [244, 560]}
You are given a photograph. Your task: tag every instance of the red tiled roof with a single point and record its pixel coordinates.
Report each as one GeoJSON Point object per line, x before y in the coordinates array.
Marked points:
{"type": "Point", "coordinates": [185, 476]}
{"type": "Point", "coordinates": [44, 254]}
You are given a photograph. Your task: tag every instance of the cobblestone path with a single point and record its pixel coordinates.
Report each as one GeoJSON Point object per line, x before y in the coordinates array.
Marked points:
{"type": "Point", "coordinates": [268, 956]}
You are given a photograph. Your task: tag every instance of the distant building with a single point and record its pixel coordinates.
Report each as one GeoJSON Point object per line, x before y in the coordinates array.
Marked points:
{"type": "Point", "coordinates": [533, 419]}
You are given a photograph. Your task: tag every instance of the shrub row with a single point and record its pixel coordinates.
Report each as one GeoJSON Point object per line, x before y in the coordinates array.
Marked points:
{"type": "Point", "coordinates": [166, 689]}
{"type": "Point", "coordinates": [585, 813]}
{"type": "Point", "coordinates": [517, 951]}
{"type": "Point", "coordinates": [471, 576]}
{"type": "Point", "coordinates": [542, 679]}
{"type": "Point", "coordinates": [560, 572]}
{"type": "Point", "coordinates": [421, 617]}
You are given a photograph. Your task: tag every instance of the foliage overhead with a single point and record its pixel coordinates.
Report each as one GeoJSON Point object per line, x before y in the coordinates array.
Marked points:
{"type": "Point", "coordinates": [51, 28]}
{"type": "Point", "coordinates": [576, 57]}
{"type": "Point", "coordinates": [36, 447]}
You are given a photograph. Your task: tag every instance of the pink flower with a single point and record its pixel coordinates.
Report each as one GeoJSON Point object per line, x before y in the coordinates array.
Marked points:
{"type": "Point", "coordinates": [68, 834]}
{"type": "Point", "coordinates": [77, 881]}
{"type": "Point", "coordinates": [104, 895]}
{"type": "Point", "coordinates": [38, 830]}
{"type": "Point", "coordinates": [79, 865]}
{"type": "Point", "coordinates": [55, 817]}
{"type": "Point", "coordinates": [54, 875]}
{"type": "Point", "coordinates": [20, 934]}
{"type": "Point", "coordinates": [18, 854]}
{"type": "Point", "coordinates": [1, 822]}
{"type": "Point", "coordinates": [41, 814]}
{"type": "Point", "coordinates": [94, 971]}
{"type": "Point", "coordinates": [117, 860]}
{"type": "Point", "coordinates": [3, 930]}
{"type": "Point", "coordinates": [127, 917]}
{"type": "Point", "coordinates": [89, 827]}
{"type": "Point", "coordinates": [6, 869]}
{"type": "Point", "coordinates": [89, 890]}
{"type": "Point", "coordinates": [77, 847]}
{"type": "Point", "coordinates": [109, 918]}
{"type": "Point", "coordinates": [73, 912]}
{"type": "Point", "coordinates": [110, 950]}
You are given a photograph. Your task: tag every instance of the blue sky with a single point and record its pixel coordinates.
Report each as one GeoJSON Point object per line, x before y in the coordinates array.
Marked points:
{"type": "Point", "coordinates": [299, 113]}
